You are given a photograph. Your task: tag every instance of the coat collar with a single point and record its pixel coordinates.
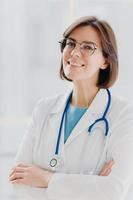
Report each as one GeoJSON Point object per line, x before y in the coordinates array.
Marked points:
{"type": "Point", "coordinates": [97, 106]}
{"type": "Point", "coordinates": [95, 110]}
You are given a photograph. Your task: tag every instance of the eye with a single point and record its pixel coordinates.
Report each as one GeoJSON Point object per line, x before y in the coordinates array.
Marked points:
{"type": "Point", "coordinates": [88, 47]}
{"type": "Point", "coordinates": [70, 43]}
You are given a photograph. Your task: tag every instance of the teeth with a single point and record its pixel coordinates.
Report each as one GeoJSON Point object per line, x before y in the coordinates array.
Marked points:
{"type": "Point", "coordinates": [75, 64]}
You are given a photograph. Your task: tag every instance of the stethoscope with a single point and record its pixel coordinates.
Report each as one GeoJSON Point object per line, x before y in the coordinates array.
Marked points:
{"type": "Point", "coordinates": [56, 161]}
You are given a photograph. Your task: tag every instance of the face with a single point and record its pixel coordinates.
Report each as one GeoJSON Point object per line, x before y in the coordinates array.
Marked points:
{"type": "Point", "coordinates": [82, 55]}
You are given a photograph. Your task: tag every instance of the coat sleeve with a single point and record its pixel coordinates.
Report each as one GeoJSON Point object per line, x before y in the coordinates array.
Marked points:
{"type": "Point", "coordinates": [24, 154]}
{"type": "Point", "coordinates": [94, 187]}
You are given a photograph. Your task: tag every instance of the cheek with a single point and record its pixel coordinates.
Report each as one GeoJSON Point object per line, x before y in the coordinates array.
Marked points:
{"type": "Point", "coordinates": [65, 57]}
{"type": "Point", "coordinates": [100, 60]}
{"type": "Point", "coordinates": [95, 63]}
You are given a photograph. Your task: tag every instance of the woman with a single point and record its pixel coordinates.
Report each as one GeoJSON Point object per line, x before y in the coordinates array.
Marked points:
{"type": "Point", "coordinates": [74, 139]}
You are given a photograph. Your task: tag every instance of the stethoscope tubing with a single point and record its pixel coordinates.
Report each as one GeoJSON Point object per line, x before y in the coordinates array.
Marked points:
{"type": "Point", "coordinates": [103, 118]}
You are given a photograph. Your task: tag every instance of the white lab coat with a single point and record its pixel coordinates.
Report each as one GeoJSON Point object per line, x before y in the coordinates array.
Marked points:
{"type": "Point", "coordinates": [83, 155]}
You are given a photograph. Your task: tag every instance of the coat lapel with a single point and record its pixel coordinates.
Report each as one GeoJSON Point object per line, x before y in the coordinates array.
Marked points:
{"type": "Point", "coordinates": [95, 110]}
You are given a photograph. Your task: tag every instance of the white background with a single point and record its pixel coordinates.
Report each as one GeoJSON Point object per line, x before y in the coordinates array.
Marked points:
{"type": "Point", "coordinates": [30, 60]}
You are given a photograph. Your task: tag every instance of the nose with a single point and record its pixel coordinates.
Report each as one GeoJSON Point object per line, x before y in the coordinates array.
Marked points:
{"type": "Point", "coordinates": [76, 51]}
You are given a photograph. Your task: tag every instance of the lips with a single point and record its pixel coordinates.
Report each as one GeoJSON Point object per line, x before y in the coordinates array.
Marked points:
{"type": "Point", "coordinates": [75, 64]}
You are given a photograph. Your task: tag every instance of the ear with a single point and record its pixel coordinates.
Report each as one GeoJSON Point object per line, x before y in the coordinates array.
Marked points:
{"type": "Point", "coordinates": [105, 64]}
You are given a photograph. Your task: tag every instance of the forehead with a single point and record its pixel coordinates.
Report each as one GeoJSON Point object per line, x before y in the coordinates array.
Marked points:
{"type": "Point", "coordinates": [86, 33]}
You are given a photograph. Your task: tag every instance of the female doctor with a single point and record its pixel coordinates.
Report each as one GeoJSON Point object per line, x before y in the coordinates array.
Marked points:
{"type": "Point", "coordinates": [79, 145]}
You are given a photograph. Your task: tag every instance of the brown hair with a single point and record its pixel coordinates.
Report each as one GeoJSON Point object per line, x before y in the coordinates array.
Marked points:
{"type": "Point", "coordinates": [107, 76]}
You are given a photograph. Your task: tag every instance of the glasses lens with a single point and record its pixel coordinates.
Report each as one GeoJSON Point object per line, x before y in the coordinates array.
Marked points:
{"type": "Point", "coordinates": [88, 48]}
{"type": "Point", "coordinates": [70, 44]}
{"type": "Point", "coordinates": [85, 47]}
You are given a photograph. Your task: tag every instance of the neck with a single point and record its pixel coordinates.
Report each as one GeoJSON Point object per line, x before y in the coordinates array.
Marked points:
{"type": "Point", "coordinates": [83, 94]}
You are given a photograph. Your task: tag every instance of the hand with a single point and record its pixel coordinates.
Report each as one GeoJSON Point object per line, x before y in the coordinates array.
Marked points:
{"type": "Point", "coordinates": [30, 175]}
{"type": "Point", "coordinates": [107, 168]}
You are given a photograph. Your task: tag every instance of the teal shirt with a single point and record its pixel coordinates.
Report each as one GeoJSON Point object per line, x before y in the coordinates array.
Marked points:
{"type": "Point", "coordinates": [72, 116]}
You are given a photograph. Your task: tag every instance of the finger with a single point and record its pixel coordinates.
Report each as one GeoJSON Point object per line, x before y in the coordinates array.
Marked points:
{"type": "Point", "coordinates": [19, 181]}
{"type": "Point", "coordinates": [108, 166]}
{"type": "Point", "coordinates": [19, 165]}
{"type": "Point", "coordinates": [107, 172]}
{"type": "Point", "coordinates": [110, 163]}
{"type": "Point", "coordinates": [17, 169]}
{"type": "Point", "coordinates": [103, 173]}
{"type": "Point", "coordinates": [16, 176]}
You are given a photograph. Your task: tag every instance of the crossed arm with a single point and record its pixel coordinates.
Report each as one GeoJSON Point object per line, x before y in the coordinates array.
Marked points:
{"type": "Point", "coordinates": [110, 187]}
{"type": "Point", "coordinates": [37, 177]}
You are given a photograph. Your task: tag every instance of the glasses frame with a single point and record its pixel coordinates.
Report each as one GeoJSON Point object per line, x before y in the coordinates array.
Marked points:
{"type": "Point", "coordinates": [64, 40]}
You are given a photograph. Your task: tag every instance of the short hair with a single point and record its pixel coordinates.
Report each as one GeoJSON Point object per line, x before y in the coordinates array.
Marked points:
{"type": "Point", "coordinates": [108, 76]}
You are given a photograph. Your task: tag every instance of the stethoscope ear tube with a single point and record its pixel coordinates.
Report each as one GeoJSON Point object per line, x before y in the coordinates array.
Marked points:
{"type": "Point", "coordinates": [103, 118]}
{"type": "Point", "coordinates": [98, 120]}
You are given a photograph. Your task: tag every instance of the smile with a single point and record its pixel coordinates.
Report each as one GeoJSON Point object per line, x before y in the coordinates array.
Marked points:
{"type": "Point", "coordinates": [75, 64]}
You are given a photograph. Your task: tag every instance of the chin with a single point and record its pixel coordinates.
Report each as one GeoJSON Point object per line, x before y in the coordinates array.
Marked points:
{"type": "Point", "coordinates": [69, 77]}
{"type": "Point", "coordinates": [73, 77]}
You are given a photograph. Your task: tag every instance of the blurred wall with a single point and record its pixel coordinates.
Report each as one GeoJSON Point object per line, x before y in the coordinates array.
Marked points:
{"type": "Point", "coordinates": [30, 60]}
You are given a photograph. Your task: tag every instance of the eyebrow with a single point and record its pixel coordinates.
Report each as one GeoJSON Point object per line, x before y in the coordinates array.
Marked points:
{"type": "Point", "coordinates": [89, 42]}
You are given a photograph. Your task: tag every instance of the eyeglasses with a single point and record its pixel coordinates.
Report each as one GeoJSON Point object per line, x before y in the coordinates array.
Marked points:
{"type": "Point", "coordinates": [86, 48]}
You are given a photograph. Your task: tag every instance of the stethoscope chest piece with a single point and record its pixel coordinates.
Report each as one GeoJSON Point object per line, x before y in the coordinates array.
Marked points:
{"type": "Point", "coordinates": [56, 163]}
